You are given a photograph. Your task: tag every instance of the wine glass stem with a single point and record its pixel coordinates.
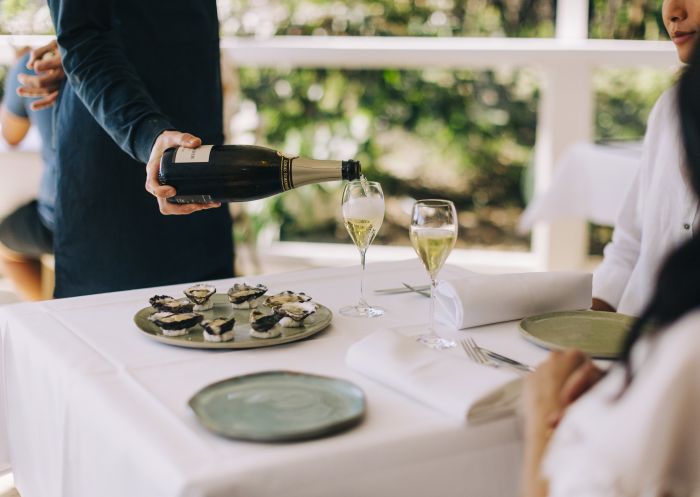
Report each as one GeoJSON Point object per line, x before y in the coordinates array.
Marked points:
{"type": "Point", "coordinates": [363, 302]}
{"type": "Point", "coordinates": [433, 286]}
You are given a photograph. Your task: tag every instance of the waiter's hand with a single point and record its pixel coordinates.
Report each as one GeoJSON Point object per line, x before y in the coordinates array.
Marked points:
{"type": "Point", "coordinates": [164, 141]}
{"type": "Point", "coordinates": [46, 63]}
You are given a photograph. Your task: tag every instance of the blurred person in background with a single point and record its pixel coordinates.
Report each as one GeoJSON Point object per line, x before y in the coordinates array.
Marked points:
{"type": "Point", "coordinates": [634, 432]}
{"type": "Point", "coordinates": [27, 233]}
{"type": "Point", "coordinates": [660, 211]}
{"type": "Point", "coordinates": [139, 74]}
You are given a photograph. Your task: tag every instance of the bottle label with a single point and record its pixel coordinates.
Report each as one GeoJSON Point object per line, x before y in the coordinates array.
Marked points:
{"type": "Point", "coordinates": [200, 154]}
{"type": "Point", "coordinates": [286, 173]}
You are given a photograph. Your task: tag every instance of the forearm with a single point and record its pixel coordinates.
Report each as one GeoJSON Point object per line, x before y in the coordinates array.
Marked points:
{"type": "Point", "coordinates": [547, 394]}
{"type": "Point", "coordinates": [104, 79]}
{"type": "Point", "coordinates": [14, 128]}
{"type": "Point", "coordinates": [533, 483]}
{"type": "Point", "coordinates": [622, 253]}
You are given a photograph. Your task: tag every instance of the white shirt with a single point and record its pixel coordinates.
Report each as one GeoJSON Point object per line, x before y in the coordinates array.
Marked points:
{"type": "Point", "coordinates": [647, 443]}
{"type": "Point", "coordinates": [658, 214]}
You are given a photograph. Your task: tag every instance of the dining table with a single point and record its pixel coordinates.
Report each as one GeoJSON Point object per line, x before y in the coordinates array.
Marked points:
{"type": "Point", "coordinates": [590, 183]}
{"type": "Point", "coordinates": [91, 406]}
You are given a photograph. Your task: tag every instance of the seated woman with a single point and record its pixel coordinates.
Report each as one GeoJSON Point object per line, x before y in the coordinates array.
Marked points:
{"type": "Point", "coordinates": [659, 212]}
{"type": "Point", "coordinates": [634, 433]}
{"type": "Point", "coordinates": [27, 233]}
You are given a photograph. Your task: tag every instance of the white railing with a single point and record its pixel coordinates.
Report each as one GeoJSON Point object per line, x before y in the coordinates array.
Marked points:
{"type": "Point", "coordinates": [374, 52]}
{"type": "Point", "coordinates": [566, 103]}
{"type": "Point", "coordinates": [360, 52]}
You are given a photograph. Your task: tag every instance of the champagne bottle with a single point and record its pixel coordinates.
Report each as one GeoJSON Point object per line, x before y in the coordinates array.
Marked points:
{"type": "Point", "coordinates": [237, 173]}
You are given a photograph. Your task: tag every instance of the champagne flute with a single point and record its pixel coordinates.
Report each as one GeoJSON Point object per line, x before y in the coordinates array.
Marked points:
{"type": "Point", "coordinates": [363, 213]}
{"type": "Point", "coordinates": [433, 233]}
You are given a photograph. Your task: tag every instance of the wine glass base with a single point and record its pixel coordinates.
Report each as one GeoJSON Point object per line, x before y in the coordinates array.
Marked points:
{"type": "Point", "coordinates": [436, 342]}
{"type": "Point", "coordinates": [356, 311]}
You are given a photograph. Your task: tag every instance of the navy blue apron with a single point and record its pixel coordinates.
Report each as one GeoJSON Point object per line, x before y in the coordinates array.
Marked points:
{"type": "Point", "coordinates": [110, 234]}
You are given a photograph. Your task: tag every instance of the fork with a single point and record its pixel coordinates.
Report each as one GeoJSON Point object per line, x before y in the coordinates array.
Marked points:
{"type": "Point", "coordinates": [475, 353]}
{"type": "Point", "coordinates": [487, 357]}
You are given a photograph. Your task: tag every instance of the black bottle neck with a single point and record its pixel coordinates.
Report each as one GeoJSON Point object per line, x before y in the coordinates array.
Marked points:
{"type": "Point", "coordinates": [351, 170]}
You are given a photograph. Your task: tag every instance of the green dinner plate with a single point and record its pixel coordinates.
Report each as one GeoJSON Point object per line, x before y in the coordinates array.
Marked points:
{"type": "Point", "coordinates": [313, 324]}
{"type": "Point", "coordinates": [598, 334]}
{"type": "Point", "coordinates": [279, 406]}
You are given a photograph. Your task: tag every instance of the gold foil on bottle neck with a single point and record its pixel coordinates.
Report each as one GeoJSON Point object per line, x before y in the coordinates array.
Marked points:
{"type": "Point", "coordinates": [308, 171]}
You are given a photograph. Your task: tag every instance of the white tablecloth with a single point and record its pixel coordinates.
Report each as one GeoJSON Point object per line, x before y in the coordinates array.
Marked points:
{"type": "Point", "coordinates": [94, 408]}
{"type": "Point", "coordinates": [589, 183]}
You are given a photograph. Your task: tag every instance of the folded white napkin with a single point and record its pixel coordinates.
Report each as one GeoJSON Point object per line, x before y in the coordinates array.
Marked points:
{"type": "Point", "coordinates": [444, 380]}
{"type": "Point", "coordinates": [480, 299]}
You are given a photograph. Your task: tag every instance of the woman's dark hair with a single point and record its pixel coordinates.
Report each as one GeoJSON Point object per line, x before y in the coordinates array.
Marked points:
{"type": "Point", "coordinates": [678, 285]}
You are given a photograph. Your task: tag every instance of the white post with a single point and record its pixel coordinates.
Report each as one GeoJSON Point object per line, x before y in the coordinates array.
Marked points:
{"type": "Point", "coordinates": [565, 116]}
{"type": "Point", "coordinates": [572, 20]}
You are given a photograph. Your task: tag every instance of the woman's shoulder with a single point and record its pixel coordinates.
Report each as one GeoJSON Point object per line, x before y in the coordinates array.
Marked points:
{"type": "Point", "coordinates": [662, 140]}
{"type": "Point", "coordinates": [665, 108]}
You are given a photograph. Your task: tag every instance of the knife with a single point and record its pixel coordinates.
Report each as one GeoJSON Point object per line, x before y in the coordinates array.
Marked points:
{"type": "Point", "coordinates": [404, 289]}
{"type": "Point", "coordinates": [507, 360]}
{"type": "Point", "coordinates": [424, 293]}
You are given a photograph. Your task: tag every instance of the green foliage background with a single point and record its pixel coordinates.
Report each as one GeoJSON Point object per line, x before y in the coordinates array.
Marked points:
{"type": "Point", "coordinates": [464, 135]}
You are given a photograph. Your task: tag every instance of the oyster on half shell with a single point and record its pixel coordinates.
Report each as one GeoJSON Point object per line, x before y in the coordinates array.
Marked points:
{"type": "Point", "coordinates": [244, 296]}
{"type": "Point", "coordinates": [261, 322]}
{"type": "Point", "coordinates": [175, 324]}
{"type": "Point", "coordinates": [219, 329]}
{"type": "Point", "coordinates": [167, 303]}
{"type": "Point", "coordinates": [200, 295]}
{"type": "Point", "coordinates": [294, 313]}
{"type": "Point", "coordinates": [276, 301]}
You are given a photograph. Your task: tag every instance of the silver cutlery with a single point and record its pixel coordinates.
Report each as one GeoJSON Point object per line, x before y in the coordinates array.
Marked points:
{"type": "Point", "coordinates": [475, 353]}
{"type": "Point", "coordinates": [487, 357]}
{"type": "Point", "coordinates": [424, 293]}
{"type": "Point", "coordinates": [507, 360]}
{"type": "Point", "coordinates": [403, 289]}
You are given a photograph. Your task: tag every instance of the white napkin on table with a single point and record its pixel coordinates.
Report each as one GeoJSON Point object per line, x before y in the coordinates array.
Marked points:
{"type": "Point", "coordinates": [480, 299]}
{"type": "Point", "coordinates": [443, 380]}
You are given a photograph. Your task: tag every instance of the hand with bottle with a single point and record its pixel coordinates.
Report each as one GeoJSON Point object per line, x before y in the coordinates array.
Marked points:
{"type": "Point", "coordinates": [164, 141]}
{"type": "Point", "coordinates": [236, 173]}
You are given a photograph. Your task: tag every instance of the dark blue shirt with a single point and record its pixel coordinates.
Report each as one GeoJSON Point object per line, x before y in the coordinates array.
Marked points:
{"type": "Point", "coordinates": [134, 69]}
{"type": "Point", "coordinates": [42, 119]}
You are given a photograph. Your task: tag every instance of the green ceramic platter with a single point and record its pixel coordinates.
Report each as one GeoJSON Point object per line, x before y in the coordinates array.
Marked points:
{"type": "Point", "coordinates": [599, 334]}
{"type": "Point", "coordinates": [279, 406]}
{"type": "Point", "coordinates": [194, 339]}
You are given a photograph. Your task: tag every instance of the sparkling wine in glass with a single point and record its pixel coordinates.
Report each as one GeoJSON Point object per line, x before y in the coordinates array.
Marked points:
{"type": "Point", "coordinates": [433, 233]}
{"type": "Point", "coordinates": [363, 213]}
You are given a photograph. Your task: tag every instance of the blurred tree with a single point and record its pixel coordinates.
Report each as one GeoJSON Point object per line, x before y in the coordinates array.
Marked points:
{"type": "Point", "coordinates": [25, 17]}
{"type": "Point", "coordinates": [626, 19]}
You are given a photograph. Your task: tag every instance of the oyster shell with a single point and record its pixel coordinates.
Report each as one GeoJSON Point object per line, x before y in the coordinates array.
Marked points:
{"type": "Point", "coordinates": [219, 329]}
{"type": "Point", "coordinates": [243, 296]}
{"type": "Point", "coordinates": [294, 313]}
{"type": "Point", "coordinates": [175, 324]}
{"type": "Point", "coordinates": [200, 295]}
{"type": "Point", "coordinates": [167, 303]}
{"type": "Point", "coordinates": [276, 301]}
{"type": "Point", "coordinates": [262, 325]}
